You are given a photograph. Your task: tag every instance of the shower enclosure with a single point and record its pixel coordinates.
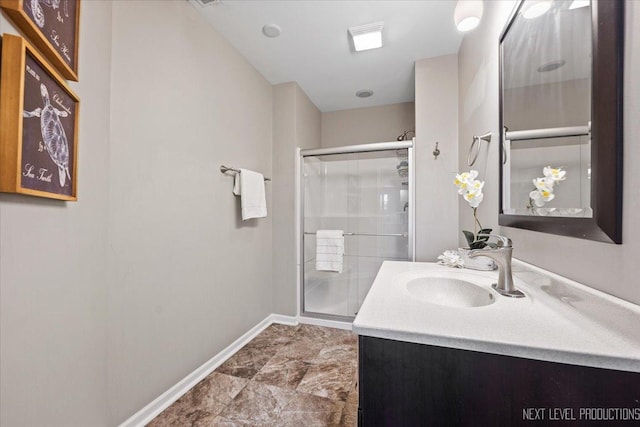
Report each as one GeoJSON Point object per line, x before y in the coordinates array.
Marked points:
{"type": "Point", "coordinates": [367, 192]}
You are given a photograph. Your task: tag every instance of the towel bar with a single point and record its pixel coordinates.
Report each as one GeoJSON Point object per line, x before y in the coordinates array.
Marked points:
{"type": "Point", "coordinates": [224, 169]}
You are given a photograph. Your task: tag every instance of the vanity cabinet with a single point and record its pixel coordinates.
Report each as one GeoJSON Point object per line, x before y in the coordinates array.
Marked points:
{"type": "Point", "coordinates": [405, 384]}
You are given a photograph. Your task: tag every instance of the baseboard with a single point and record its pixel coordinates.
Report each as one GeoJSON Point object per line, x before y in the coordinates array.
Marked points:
{"type": "Point", "coordinates": [153, 409]}
{"type": "Point", "coordinates": [284, 320]}
{"type": "Point", "coordinates": [324, 322]}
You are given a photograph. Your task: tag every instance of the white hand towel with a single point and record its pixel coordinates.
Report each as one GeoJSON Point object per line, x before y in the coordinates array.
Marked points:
{"type": "Point", "coordinates": [329, 250]}
{"type": "Point", "coordinates": [249, 185]}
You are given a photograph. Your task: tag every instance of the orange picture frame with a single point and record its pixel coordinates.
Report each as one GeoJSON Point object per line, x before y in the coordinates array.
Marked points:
{"type": "Point", "coordinates": [38, 125]}
{"type": "Point", "coordinates": [53, 27]}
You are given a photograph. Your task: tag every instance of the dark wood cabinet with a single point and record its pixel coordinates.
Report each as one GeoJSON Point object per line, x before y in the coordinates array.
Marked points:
{"type": "Point", "coordinates": [405, 384]}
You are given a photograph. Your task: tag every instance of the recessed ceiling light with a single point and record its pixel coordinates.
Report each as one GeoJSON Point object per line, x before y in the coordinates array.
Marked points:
{"type": "Point", "coordinates": [271, 30]}
{"type": "Point", "coordinates": [536, 8]}
{"type": "Point", "coordinates": [364, 93]}
{"type": "Point", "coordinates": [550, 66]}
{"type": "Point", "coordinates": [467, 14]}
{"type": "Point", "coordinates": [576, 4]}
{"type": "Point", "coordinates": [367, 36]}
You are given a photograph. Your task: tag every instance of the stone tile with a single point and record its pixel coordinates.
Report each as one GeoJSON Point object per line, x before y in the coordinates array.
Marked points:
{"type": "Point", "coordinates": [302, 349]}
{"type": "Point", "coordinates": [225, 422]}
{"type": "Point", "coordinates": [350, 411]}
{"type": "Point", "coordinates": [313, 333]}
{"type": "Point", "coordinates": [331, 380]}
{"type": "Point", "coordinates": [257, 405]}
{"type": "Point", "coordinates": [319, 363]}
{"type": "Point", "coordinates": [310, 411]}
{"type": "Point", "coordinates": [342, 353]}
{"type": "Point", "coordinates": [176, 416]}
{"type": "Point", "coordinates": [282, 371]}
{"type": "Point", "coordinates": [200, 404]}
{"type": "Point", "coordinates": [341, 336]}
{"type": "Point", "coordinates": [245, 363]}
{"type": "Point", "coordinates": [216, 391]}
{"type": "Point", "coordinates": [273, 338]}
{"type": "Point", "coordinates": [278, 330]}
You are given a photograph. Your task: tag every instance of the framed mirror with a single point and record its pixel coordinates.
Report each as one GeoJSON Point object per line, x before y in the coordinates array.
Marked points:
{"type": "Point", "coordinates": [561, 64]}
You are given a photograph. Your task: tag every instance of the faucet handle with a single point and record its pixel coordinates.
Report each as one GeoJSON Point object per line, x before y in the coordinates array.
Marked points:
{"type": "Point", "coordinates": [506, 242]}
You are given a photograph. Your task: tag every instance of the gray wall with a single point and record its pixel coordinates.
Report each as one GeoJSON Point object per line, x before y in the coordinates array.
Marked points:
{"type": "Point", "coordinates": [186, 276]}
{"type": "Point", "coordinates": [53, 282]}
{"type": "Point", "coordinates": [436, 121]}
{"type": "Point", "coordinates": [367, 125]}
{"type": "Point", "coordinates": [296, 123]}
{"type": "Point", "coordinates": [611, 268]}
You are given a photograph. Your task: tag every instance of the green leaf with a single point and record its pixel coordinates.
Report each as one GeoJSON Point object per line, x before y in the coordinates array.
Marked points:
{"type": "Point", "coordinates": [484, 231]}
{"type": "Point", "coordinates": [492, 245]}
{"type": "Point", "coordinates": [478, 244]}
{"type": "Point", "coordinates": [469, 236]}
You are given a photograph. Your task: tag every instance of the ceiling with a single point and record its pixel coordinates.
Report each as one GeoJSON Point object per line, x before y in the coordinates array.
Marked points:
{"type": "Point", "coordinates": [315, 51]}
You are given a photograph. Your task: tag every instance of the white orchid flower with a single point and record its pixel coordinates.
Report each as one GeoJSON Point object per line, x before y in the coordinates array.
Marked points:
{"type": "Point", "coordinates": [464, 180]}
{"type": "Point", "coordinates": [476, 185]}
{"type": "Point", "coordinates": [474, 198]}
{"type": "Point", "coordinates": [556, 174]}
{"type": "Point", "coordinates": [541, 196]}
{"type": "Point", "coordinates": [543, 184]}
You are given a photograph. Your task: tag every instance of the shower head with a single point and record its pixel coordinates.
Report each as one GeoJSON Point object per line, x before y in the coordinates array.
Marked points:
{"type": "Point", "coordinates": [403, 137]}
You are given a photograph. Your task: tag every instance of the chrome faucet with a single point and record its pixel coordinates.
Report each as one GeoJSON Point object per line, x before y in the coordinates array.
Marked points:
{"type": "Point", "coordinates": [502, 256]}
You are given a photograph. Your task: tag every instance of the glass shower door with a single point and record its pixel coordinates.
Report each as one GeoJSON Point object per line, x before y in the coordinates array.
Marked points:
{"type": "Point", "coordinates": [366, 195]}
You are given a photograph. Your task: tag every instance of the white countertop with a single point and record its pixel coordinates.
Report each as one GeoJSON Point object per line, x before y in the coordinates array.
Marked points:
{"type": "Point", "coordinates": [560, 320]}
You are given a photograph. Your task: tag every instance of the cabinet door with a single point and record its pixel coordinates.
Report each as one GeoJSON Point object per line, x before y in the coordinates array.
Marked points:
{"type": "Point", "coordinates": [406, 384]}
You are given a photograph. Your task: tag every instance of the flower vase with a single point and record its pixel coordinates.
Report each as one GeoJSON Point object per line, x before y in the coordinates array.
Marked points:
{"type": "Point", "coordinates": [483, 263]}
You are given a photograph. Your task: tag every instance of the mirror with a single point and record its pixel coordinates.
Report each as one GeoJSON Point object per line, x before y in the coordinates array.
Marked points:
{"type": "Point", "coordinates": [560, 111]}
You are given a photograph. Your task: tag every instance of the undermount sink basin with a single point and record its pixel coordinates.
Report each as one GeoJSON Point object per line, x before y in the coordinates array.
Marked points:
{"type": "Point", "coordinates": [450, 292]}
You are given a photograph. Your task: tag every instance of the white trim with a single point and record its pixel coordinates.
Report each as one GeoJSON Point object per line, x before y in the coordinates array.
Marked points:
{"type": "Point", "coordinates": [326, 323]}
{"type": "Point", "coordinates": [283, 320]}
{"type": "Point", "coordinates": [162, 402]}
{"type": "Point", "coordinates": [298, 224]}
{"type": "Point", "coordinates": [412, 202]}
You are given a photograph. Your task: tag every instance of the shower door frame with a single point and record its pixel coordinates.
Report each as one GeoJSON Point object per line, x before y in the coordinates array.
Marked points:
{"type": "Point", "coordinates": [349, 149]}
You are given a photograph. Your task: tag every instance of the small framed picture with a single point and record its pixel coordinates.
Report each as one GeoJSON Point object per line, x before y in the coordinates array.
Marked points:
{"type": "Point", "coordinates": [38, 125]}
{"type": "Point", "coordinates": [52, 26]}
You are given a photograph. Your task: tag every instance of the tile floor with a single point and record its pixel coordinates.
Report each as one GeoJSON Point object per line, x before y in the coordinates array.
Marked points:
{"type": "Point", "coordinates": [286, 376]}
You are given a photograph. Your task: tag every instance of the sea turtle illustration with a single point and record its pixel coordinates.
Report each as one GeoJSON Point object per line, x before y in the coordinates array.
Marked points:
{"type": "Point", "coordinates": [53, 136]}
{"type": "Point", "coordinates": [38, 13]}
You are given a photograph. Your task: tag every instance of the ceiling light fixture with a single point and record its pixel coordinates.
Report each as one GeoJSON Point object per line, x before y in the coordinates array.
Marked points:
{"type": "Point", "coordinates": [536, 8]}
{"type": "Point", "coordinates": [367, 36]}
{"type": "Point", "coordinates": [467, 14]}
{"type": "Point", "coordinates": [550, 66]}
{"type": "Point", "coordinates": [365, 93]}
{"type": "Point", "coordinates": [576, 4]}
{"type": "Point", "coordinates": [271, 30]}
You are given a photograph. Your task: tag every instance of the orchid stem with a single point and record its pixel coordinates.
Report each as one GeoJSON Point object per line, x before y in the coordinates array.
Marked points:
{"type": "Point", "coordinates": [476, 223]}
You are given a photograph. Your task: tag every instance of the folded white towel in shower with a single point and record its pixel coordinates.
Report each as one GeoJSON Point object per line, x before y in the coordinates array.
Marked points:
{"type": "Point", "coordinates": [249, 185]}
{"type": "Point", "coordinates": [329, 250]}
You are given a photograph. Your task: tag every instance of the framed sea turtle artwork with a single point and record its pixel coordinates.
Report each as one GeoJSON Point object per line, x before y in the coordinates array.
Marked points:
{"type": "Point", "coordinates": [52, 26]}
{"type": "Point", "coordinates": [38, 125]}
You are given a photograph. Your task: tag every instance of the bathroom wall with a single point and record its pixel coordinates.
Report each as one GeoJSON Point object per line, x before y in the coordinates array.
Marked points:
{"type": "Point", "coordinates": [186, 275]}
{"type": "Point", "coordinates": [366, 125]}
{"type": "Point", "coordinates": [611, 268]}
{"type": "Point", "coordinates": [436, 121]}
{"type": "Point", "coordinates": [296, 123]}
{"type": "Point", "coordinates": [53, 282]}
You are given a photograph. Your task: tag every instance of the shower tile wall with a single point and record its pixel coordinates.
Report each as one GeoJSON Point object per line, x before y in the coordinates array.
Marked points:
{"type": "Point", "coordinates": [360, 193]}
